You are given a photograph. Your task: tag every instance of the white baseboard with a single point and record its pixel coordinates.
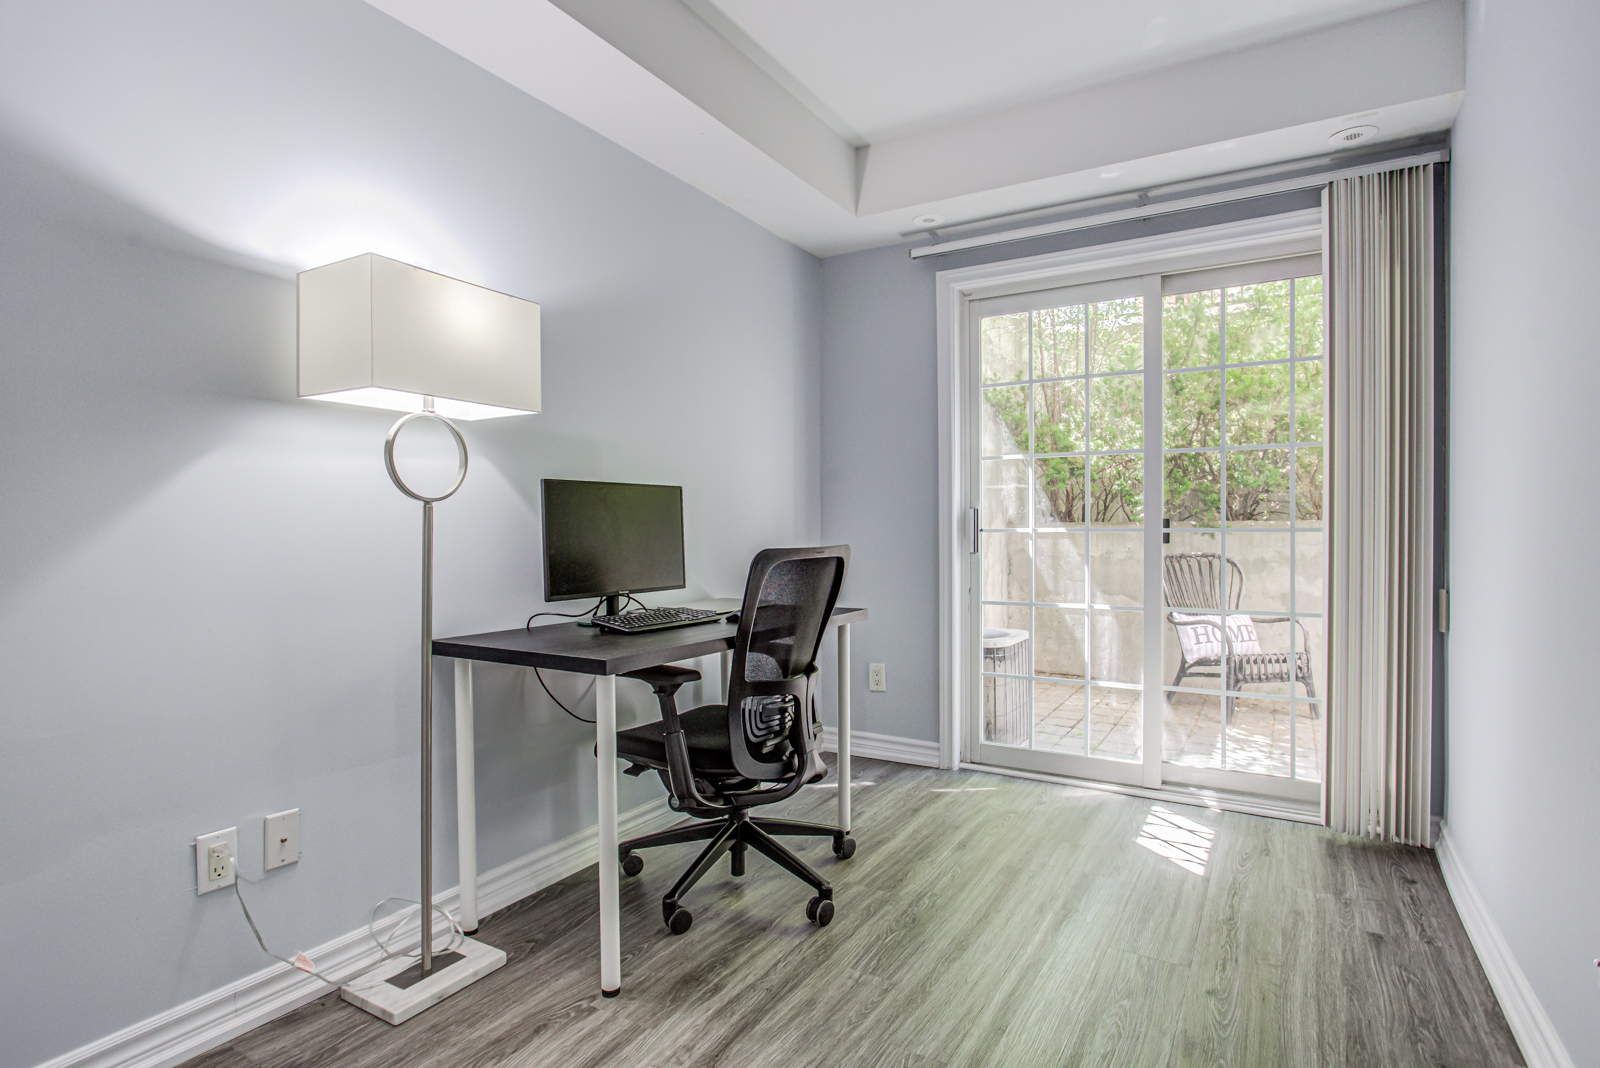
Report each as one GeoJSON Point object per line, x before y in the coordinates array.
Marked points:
{"type": "Point", "coordinates": [515, 880]}
{"type": "Point", "coordinates": [885, 747]}
{"type": "Point", "coordinates": [1535, 1034]}
{"type": "Point", "coordinates": [212, 1019]}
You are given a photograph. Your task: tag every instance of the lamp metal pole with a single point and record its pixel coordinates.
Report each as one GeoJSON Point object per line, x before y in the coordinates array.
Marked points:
{"type": "Point", "coordinates": [426, 901]}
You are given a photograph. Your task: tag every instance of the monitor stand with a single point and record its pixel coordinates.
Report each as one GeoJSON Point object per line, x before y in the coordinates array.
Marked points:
{"type": "Point", "coordinates": [615, 603]}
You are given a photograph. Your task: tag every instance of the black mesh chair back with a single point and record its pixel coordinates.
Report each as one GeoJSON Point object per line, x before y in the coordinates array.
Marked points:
{"type": "Point", "coordinates": [788, 597]}
{"type": "Point", "coordinates": [771, 734]}
{"type": "Point", "coordinates": [1194, 581]}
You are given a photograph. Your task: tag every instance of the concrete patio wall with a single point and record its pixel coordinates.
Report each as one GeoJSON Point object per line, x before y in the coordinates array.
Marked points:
{"type": "Point", "coordinates": [1116, 576]}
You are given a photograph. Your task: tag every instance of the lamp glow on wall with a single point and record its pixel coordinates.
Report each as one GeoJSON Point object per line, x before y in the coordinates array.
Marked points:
{"type": "Point", "coordinates": [382, 334]}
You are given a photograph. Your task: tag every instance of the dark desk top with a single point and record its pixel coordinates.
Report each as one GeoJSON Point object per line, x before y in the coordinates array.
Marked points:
{"type": "Point", "coordinates": [595, 651]}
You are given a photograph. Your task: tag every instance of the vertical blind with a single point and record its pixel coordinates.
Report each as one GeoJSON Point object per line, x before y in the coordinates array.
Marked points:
{"type": "Point", "coordinates": [1380, 496]}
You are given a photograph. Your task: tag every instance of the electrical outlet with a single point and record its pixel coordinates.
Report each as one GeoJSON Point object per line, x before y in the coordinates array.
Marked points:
{"type": "Point", "coordinates": [282, 838]}
{"type": "Point", "coordinates": [216, 860]}
{"type": "Point", "coordinates": [877, 677]}
{"type": "Point", "coordinates": [219, 861]}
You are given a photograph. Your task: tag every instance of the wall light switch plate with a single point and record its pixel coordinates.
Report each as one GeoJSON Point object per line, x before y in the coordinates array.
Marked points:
{"type": "Point", "coordinates": [282, 838]}
{"type": "Point", "coordinates": [216, 860]}
{"type": "Point", "coordinates": [877, 677]}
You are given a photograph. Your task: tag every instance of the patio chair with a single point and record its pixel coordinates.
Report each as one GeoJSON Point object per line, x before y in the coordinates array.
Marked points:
{"type": "Point", "coordinates": [1211, 637]}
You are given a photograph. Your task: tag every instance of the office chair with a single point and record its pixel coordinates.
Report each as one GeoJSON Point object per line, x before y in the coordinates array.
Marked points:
{"type": "Point", "coordinates": [720, 761]}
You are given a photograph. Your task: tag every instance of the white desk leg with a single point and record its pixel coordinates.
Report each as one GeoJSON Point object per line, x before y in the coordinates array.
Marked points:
{"type": "Point", "coordinates": [466, 799]}
{"type": "Point", "coordinates": [727, 672]}
{"type": "Point", "coordinates": [844, 727]}
{"type": "Point", "coordinates": [605, 736]}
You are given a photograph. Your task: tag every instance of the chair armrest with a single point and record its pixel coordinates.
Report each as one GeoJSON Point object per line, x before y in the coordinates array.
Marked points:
{"type": "Point", "coordinates": [684, 794]}
{"type": "Point", "coordinates": [663, 675]}
{"type": "Point", "coordinates": [1305, 640]}
{"type": "Point", "coordinates": [665, 680]}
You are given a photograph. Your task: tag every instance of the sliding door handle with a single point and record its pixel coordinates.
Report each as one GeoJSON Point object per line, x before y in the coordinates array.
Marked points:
{"type": "Point", "coordinates": [972, 530]}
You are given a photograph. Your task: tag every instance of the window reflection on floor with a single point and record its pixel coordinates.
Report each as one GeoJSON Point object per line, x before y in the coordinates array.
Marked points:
{"type": "Point", "coordinates": [1178, 838]}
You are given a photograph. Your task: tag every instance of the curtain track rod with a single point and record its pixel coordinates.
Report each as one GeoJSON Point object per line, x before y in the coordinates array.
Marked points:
{"type": "Point", "coordinates": [1145, 211]}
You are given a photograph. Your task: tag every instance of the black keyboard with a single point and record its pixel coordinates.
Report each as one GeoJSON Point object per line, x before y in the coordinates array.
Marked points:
{"type": "Point", "coordinates": [656, 619]}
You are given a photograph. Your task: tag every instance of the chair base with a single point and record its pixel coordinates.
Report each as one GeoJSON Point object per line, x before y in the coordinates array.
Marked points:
{"type": "Point", "coordinates": [735, 835]}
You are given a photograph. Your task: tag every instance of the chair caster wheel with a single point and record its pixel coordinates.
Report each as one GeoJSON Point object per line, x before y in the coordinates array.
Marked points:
{"type": "Point", "coordinates": [844, 848]}
{"type": "Point", "coordinates": [819, 911]}
{"type": "Point", "coordinates": [680, 921]}
{"type": "Point", "coordinates": [632, 864]}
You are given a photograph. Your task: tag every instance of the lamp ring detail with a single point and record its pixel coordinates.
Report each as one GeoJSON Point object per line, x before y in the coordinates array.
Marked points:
{"type": "Point", "coordinates": [394, 474]}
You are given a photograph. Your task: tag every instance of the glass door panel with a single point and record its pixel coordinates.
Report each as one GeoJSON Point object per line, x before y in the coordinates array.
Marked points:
{"type": "Point", "coordinates": [1072, 676]}
{"type": "Point", "coordinates": [1061, 471]}
{"type": "Point", "coordinates": [1243, 558]}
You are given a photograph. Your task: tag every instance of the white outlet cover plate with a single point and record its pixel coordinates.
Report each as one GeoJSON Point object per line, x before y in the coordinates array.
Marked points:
{"type": "Point", "coordinates": [281, 838]}
{"type": "Point", "coordinates": [877, 678]}
{"type": "Point", "coordinates": [202, 846]}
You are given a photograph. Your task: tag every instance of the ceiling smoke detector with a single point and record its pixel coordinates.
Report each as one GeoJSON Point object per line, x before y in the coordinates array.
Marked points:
{"type": "Point", "coordinates": [927, 220]}
{"type": "Point", "coordinates": [1353, 136]}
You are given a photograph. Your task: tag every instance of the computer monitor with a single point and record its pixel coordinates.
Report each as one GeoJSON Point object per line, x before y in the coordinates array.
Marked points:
{"type": "Point", "coordinates": [602, 539]}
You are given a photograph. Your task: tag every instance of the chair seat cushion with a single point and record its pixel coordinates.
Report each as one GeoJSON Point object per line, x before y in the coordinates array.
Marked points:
{"type": "Point", "coordinates": [706, 730]}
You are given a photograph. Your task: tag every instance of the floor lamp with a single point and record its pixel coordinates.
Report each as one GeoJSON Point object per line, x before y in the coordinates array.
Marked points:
{"type": "Point", "coordinates": [383, 334]}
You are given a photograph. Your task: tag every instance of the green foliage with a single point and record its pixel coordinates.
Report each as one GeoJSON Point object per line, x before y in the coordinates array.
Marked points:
{"type": "Point", "coordinates": [1225, 328]}
{"type": "Point", "coordinates": [1116, 335]}
{"type": "Point", "coordinates": [1060, 480]}
{"type": "Point", "coordinates": [1206, 336]}
{"type": "Point", "coordinates": [1009, 406]}
{"type": "Point", "coordinates": [1116, 490]}
{"type": "Point", "coordinates": [1003, 347]}
{"type": "Point", "coordinates": [1058, 416]}
{"type": "Point", "coordinates": [1058, 341]}
{"type": "Point", "coordinates": [1191, 329]}
{"type": "Point", "coordinates": [1308, 484]}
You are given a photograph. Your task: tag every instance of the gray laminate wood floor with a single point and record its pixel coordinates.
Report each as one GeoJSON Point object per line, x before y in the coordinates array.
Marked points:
{"type": "Point", "coordinates": [985, 921]}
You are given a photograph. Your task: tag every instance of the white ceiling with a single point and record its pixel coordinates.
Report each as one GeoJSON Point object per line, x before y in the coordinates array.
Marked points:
{"type": "Point", "coordinates": [835, 124]}
{"type": "Point", "coordinates": [884, 68]}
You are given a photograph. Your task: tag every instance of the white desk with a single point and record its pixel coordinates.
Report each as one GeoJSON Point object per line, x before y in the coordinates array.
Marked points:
{"type": "Point", "coordinates": [590, 651]}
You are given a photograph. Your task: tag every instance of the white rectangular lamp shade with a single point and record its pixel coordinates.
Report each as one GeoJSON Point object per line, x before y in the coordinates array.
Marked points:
{"type": "Point", "coordinates": [383, 334]}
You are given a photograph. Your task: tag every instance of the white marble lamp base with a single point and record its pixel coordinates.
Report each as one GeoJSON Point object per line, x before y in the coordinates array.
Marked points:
{"type": "Point", "coordinates": [392, 1004]}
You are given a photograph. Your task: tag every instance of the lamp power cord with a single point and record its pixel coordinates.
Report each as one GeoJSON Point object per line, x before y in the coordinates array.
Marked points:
{"type": "Point", "coordinates": [303, 963]}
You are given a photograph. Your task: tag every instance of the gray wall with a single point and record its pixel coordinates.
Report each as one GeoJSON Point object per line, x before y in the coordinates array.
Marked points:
{"type": "Point", "coordinates": [1524, 739]}
{"type": "Point", "coordinates": [880, 428]}
{"type": "Point", "coordinates": [207, 587]}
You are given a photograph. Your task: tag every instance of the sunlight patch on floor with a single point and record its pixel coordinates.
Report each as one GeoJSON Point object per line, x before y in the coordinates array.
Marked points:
{"type": "Point", "coordinates": [1181, 840]}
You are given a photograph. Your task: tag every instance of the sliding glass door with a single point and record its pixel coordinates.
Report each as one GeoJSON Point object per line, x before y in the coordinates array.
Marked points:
{"type": "Point", "coordinates": [1146, 598]}
{"type": "Point", "coordinates": [1061, 428]}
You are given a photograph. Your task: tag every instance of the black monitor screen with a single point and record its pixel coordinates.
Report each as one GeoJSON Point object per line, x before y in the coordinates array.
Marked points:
{"type": "Point", "coordinates": [602, 538]}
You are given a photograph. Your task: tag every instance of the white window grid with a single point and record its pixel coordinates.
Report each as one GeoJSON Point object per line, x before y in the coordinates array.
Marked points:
{"type": "Point", "coordinates": [1295, 527]}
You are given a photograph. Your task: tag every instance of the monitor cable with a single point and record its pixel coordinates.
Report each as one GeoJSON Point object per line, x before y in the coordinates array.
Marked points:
{"type": "Point", "coordinates": [536, 674]}
{"type": "Point", "coordinates": [572, 615]}
{"type": "Point", "coordinates": [566, 615]}
{"type": "Point", "coordinates": [557, 700]}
